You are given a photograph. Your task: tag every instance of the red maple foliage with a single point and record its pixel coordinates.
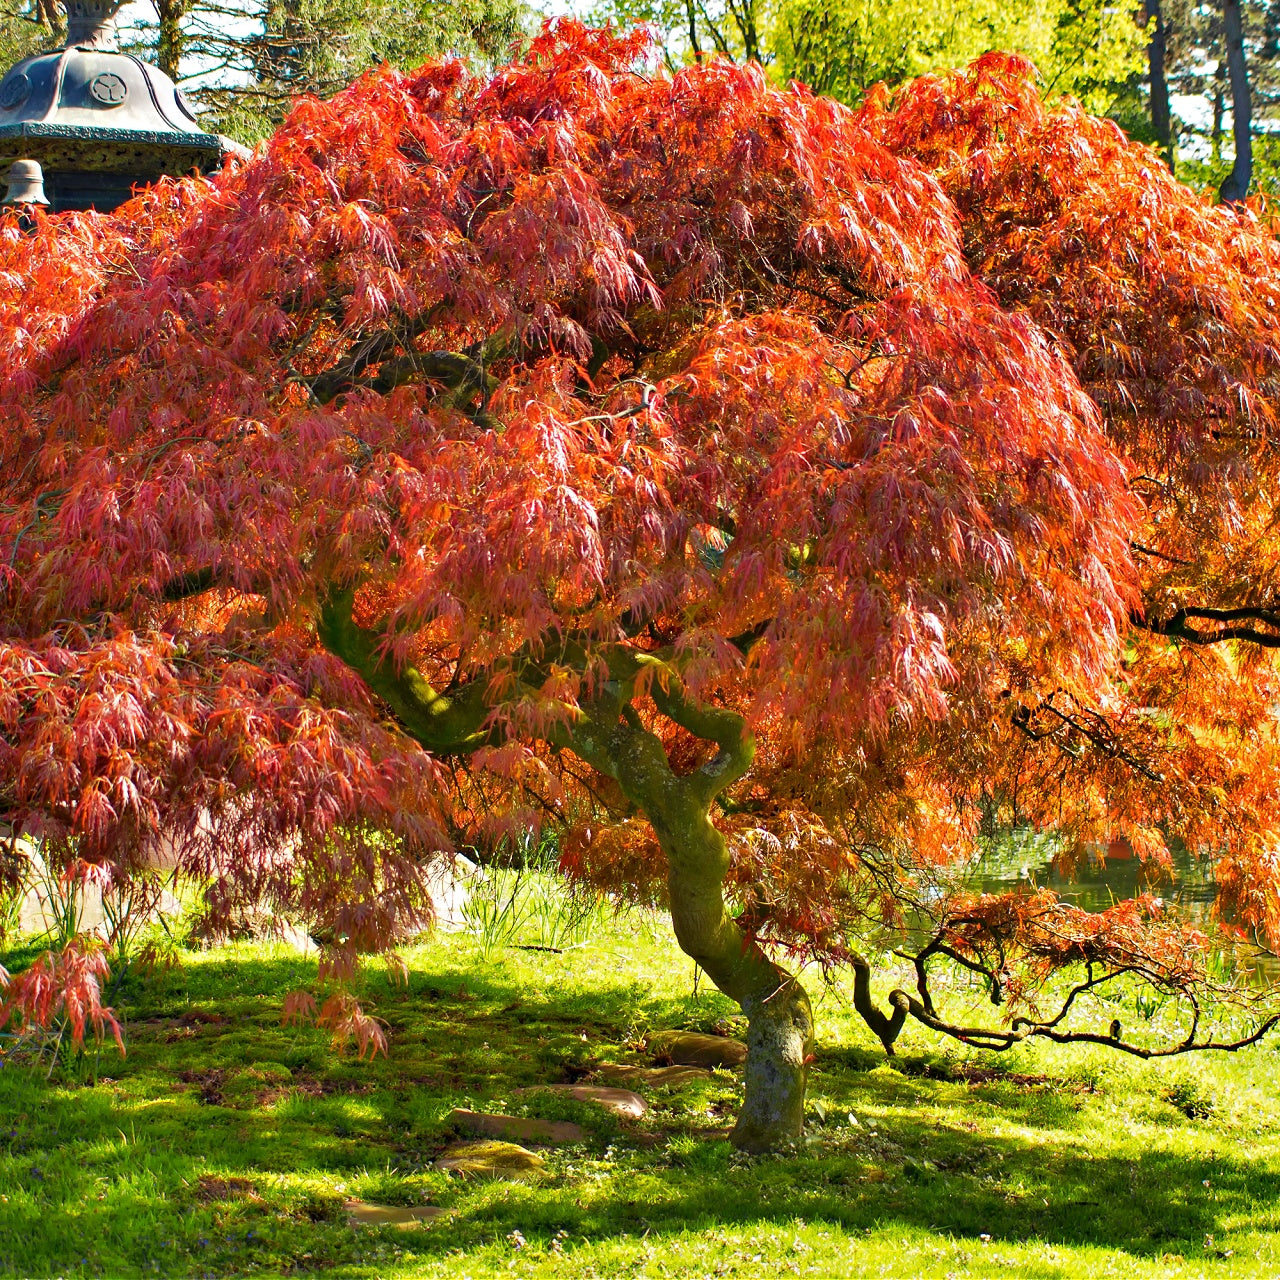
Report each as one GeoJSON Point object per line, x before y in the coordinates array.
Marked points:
{"type": "Point", "coordinates": [763, 494]}
{"type": "Point", "coordinates": [63, 989]}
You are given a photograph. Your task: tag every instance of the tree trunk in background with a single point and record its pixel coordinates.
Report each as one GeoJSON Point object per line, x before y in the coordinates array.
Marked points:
{"type": "Point", "coordinates": [1161, 118]}
{"type": "Point", "coordinates": [170, 44]}
{"type": "Point", "coordinates": [693, 31]}
{"type": "Point", "coordinates": [1236, 186]}
{"type": "Point", "coordinates": [1219, 108]}
{"type": "Point", "coordinates": [744, 17]}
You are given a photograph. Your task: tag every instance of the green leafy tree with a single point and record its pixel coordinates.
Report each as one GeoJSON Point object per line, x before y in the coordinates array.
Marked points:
{"type": "Point", "coordinates": [1082, 47]}
{"type": "Point", "coordinates": [27, 26]}
{"type": "Point", "coordinates": [267, 52]}
{"type": "Point", "coordinates": [1085, 48]}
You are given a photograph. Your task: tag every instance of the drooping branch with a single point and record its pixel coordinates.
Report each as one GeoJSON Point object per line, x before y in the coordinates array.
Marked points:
{"type": "Point", "coordinates": [996, 933]}
{"type": "Point", "coordinates": [885, 1027]}
{"type": "Point", "coordinates": [45, 507]}
{"type": "Point", "coordinates": [464, 377]}
{"type": "Point", "coordinates": [1233, 625]}
{"type": "Point", "coordinates": [1089, 724]}
{"type": "Point", "coordinates": [1142, 549]}
{"type": "Point", "coordinates": [186, 586]}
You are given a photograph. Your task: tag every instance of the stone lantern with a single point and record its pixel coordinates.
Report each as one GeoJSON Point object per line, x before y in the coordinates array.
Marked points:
{"type": "Point", "coordinates": [99, 122]}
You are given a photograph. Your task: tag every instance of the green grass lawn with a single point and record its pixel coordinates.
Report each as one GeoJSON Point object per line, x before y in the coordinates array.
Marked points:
{"type": "Point", "coordinates": [226, 1144]}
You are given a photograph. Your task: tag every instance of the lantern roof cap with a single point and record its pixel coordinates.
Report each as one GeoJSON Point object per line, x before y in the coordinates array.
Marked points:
{"type": "Point", "coordinates": [90, 107]}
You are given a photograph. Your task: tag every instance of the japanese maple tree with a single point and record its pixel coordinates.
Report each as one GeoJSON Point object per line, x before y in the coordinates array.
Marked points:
{"type": "Point", "coordinates": [763, 495]}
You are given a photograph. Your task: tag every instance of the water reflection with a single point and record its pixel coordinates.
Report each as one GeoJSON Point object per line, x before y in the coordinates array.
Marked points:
{"type": "Point", "coordinates": [1186, 886]}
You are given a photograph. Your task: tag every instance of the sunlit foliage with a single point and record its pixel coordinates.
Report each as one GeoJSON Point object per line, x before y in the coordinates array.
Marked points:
{"type": "Point", "coordinates": [766, 497]}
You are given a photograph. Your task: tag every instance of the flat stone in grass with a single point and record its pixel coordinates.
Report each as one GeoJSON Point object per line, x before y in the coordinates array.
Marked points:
{"type": "Point", "coordinates": [672, 1077]}
{"type": "Point", "coordinates": [514, 1128]}
{"type": "Point", "coordinates": [622, 1102]}
{"type": "Point", "coordinates": [365, 1214]}
{"type": "Point", "coordinates": [490, 1160]}
{"type": "Point", "coordinates": [688, 1049]}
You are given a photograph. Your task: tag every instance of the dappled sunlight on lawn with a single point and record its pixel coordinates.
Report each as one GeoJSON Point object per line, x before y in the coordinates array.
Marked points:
{"type": "Point", "coordinates": [228, 1144]}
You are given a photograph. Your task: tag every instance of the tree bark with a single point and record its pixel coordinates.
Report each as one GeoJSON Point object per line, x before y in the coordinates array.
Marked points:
{"type": "Point", "coordinates": [744, 16]}
{"type": "Point", "coordinates": [1219, 109]}
{"type": "Point", "coordinates": [172, 40]}
{"type": "Point", "coordinates": [609, 735]}
{"type": "Point", "coordinates": [693, 31]}
{"type": "Point", "coordinates": [1161, 117]}
{"type": "Point", "coordinates": [779, 1017]}
{"type": "Point", "coordinates": [1236, 186]}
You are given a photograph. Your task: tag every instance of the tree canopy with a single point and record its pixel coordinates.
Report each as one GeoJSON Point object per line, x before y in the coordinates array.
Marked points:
{"type": "Point", "coordinates": [768, 497]}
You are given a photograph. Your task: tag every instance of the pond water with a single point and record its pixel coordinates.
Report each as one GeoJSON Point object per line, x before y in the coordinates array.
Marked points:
{"type": "Point", "coordinates": [1098, 882]}
{"type": "Point", "coordinates": [1187, 886]}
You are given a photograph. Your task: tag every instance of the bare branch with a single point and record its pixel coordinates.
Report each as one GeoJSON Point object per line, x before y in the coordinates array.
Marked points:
{"type": "Point", "coordinates": [1023, 1029]}
{"type": "Point", "coordinates": [1177, 625]}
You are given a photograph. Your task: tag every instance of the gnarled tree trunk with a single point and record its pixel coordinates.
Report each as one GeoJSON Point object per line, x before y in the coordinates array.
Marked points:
{"type": "Point", "coordinates": [609, 734]}
{"type": "Point", "coordinates": [779, 1018]}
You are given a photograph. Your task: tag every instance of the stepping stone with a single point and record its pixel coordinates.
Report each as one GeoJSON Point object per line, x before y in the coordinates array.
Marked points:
{"type": "Point", "coordinates": [622, 1102]}
{"type": "Point", "coordinates": [673, 1077]}
{"type": "Point", "coordinates": [490, 1160]}
{"type": "Point", "coordinates": [514, 1128]}
{"type": "Point", "coordinates": [388, 1215]}
{"type": "Point", "coordinates": [688, 1049]}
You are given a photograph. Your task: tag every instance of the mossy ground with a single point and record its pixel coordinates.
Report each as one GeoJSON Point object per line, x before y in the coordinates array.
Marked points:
{"type": "Point", "coordinates": [225, 1144]}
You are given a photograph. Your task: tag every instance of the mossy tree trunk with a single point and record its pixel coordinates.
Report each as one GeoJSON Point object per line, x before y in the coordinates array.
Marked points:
{"type": "Point", "coordinates": [172, 39]}
{"type": "Point", "coordinates": [609, 734]}
{"type": "Point", "coordinates": [779, 1017]}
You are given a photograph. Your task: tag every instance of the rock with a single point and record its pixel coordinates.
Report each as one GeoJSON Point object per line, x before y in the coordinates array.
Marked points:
{"type": "Point", "coordinates": [622, 1102]}
{"type": "Point", "coordinates": [688, 1049]}
{"type": "Point", "coordinates": [672, 1077]}
{"type": "Point", "coordinates": [490, 1160]}
{"type": "Point", "coordinates": [514, 1128]}
{"type": "Point", "coordinates": [391, 1215]}
{"type": "Point", "coordinates": [450, 886]}
{"type": "Point", "coordinates": [448, 883]}
{"type": "Point", "coordinates": [40, 908]}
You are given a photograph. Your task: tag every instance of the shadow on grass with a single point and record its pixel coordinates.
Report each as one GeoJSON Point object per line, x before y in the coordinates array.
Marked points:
{"type": "Point", "coordinates": [124, 1167]}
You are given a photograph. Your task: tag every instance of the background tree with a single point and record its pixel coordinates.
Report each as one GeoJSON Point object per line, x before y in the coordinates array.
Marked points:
{"type": "Point", "coordinates": [253, 60]}
{"type": "Point", "coordinates": [1081, 47]}
{"type": "Point", "coordinates": [686, 30]}
{"type": "Point", "coordinates": [1158, 80]}
{"type": "Point", "coordinates": [679, 462]}
{"type": "Point", "coordinates": [1236, 185]}
{"type": "Point", "coordinates": [244, 63]}
{"type": "Point", "coordinates": [26, 28]}
{"type": "Point", "coordinates": [1197, 67]}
